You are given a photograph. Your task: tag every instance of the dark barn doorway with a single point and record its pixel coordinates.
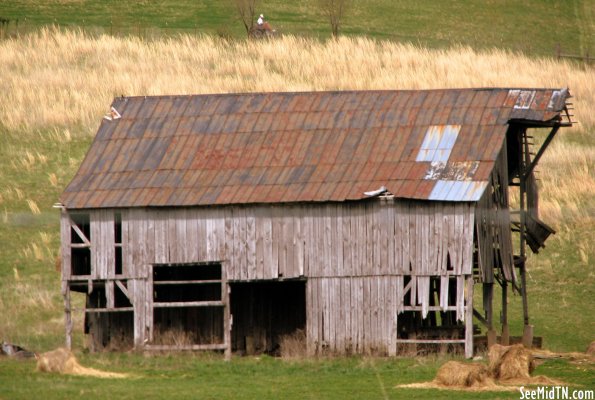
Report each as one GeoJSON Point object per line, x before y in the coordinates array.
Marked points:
{"type": "Point", "coordinates": [263, 312]}
{"type": "Point", "coordinates": [188, 306]}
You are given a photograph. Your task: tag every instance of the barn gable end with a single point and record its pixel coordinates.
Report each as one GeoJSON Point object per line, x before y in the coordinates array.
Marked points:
{"type": "Point", "coordinates": [376, 210]}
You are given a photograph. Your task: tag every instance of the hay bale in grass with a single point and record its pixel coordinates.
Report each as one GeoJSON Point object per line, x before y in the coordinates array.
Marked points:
{"type": "Point", "coordinates": [510, 362]}
{"type": "Point", "coordinates": [62, 361]}
{"type": "Point", "coordinates": [455, 373]}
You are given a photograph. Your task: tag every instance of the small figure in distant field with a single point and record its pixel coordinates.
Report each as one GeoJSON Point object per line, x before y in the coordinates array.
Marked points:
{"type": "Point", "coordinates": [262, 29]}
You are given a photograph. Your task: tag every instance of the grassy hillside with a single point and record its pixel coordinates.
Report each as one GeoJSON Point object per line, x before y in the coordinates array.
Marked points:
{"type": "Point", "coordinates": [55, 88]}
{"type": "Point", "coordinates": [531, 26]}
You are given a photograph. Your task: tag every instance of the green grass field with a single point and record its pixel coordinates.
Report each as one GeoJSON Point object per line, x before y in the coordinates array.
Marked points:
{"type": "Point", "coordinates": [532, 26]}
{"type": "Point", "coordinates": [208, 377]}
{"type": "Point", "coordinates": [36, 164]}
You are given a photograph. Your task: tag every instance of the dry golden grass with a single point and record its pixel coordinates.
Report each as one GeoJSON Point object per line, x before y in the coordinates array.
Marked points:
{"type": "Point", "coordinates": [68, 79]}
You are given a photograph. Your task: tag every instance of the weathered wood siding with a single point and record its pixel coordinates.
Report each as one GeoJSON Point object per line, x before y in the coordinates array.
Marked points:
{"type": "Point", "coordinates": [374, 238]}
{"type": "Point", "coordinates": [353, 255]}
{"type": "Point", "coordinates": [492, 224]}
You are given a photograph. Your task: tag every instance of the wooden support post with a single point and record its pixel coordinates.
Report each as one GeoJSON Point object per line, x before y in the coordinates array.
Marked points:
{"type": "Point", "coordinates": [528, 336]}
{"type": "Point", "coordinates": [488, 292]}
{"type": "Point", "coordinates": [67, 314]}
{"type": "Point", "coordinates": [505, 341]}
{"type": "Point", "coordinates": [469, 317]}
{"type": "Point", "coordinates": [227, 318]}
{"type": "Point", "coordinates": [527, 331]}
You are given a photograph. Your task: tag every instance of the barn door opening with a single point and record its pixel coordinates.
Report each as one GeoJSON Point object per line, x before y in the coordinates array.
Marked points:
{"type": "Point", "coordinates": [189, 307]}
{"type": "Point", "coordinates": [266, 313]}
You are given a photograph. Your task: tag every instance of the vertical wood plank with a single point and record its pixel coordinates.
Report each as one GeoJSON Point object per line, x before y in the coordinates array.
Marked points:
{"type": "Point", "coordinates": [251, 244]}
{"type": "Point", "coordinates": [276, 238]}
{"type": "Point", "coordinates": [469, 317]}
{"type": "Point", "coordinates": [269, 261]}
{"type": "Point", "coordinates": [259, 217]}
{"type": "Point", "coordinates": [232, 270]}
{"type": "Point", "coordinates": [65, 241]}
{"type": "Point", "coordinates": [192, 235]}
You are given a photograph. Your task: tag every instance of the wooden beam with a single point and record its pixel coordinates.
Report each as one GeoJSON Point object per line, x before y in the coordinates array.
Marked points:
{"type": "Point", "coordinates": [67, 315]}
{"type": "Point", "coordinates": [540, 152]}
{"type": "Point", "coordinates": [505, 338]}
{"type": "Point", "coordinates": [179, 304]}
{"type": "Point", "coordinates": [430, 308]}
{"type": "Point", "coordinates": [192, 347]}
{"type": "Point", "coordinates": [105, 309]}
{"type": "Point", "coordinates": [430, 341]}
{"type": "Point", "coordinates": [123, 289]}
{"type": "Point", "coordinates": [469, 317]}
{"type": "Point", "coordinates": [227, 321]}
{"type": "Point", "coordinates": [192, 282]}
{"type": "Point", "coordinates": [79, 232]}
{"type": "Point", "coordinates": [480, 318]}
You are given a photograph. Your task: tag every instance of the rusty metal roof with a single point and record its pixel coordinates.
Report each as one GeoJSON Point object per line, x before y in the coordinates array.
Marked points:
{"type": "Point", "coordinates": [301, 147]}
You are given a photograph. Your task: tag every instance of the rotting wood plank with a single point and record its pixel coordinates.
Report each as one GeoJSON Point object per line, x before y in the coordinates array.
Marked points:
{"type": "Point", "coordinates": [392, 320]}
{"type": "Point", "coordinates": [251, 245]}
{"type": "Point", "coordinates": [227, 318]}
{"type": "Point", "coordinates": [180, 304]}
{"type": "Point", "coordinates": [193, 347]}
{"type": "Point", "coordinates": [161, 252]}
{"type": "Point", "coordinates": [460, 302]}
{"type": "Point", "coordinates": [288, 241]}
{"type": "Point", "coordinates": [67, 315]}
{"type": "Point", "coordinates": [338, 243]}
{"type": "Point", "coordinates": [268, 259]}
{"type": "Point", "coordinates": [232, 272]}
{"type": "Point", "coordinates": [275, 238]}
{"type": "Point", "coordinates": [65, 242]}
{"type": "Point", "coordinates": [298, 223]}
{"type": "Point", "coordinates": [202, 234]}
{"type": "Point", "coordinates": [469, 317]}
{"type": "Point", "coordinates": [333, 256]}
{"type": "Point", "coordinates": [331, 314]}
{"type": "Point", "coordinates": [366, 317]}
{"type": "Point", "coordinates": [374, 217]}
{"type": "Point", "coordinates": [368, 264]}
{"type": "Point", "coordinates": [259, 220]}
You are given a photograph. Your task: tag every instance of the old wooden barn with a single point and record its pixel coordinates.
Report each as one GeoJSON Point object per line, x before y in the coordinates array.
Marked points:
{"type": "Point", "coordinates": [363, 218]}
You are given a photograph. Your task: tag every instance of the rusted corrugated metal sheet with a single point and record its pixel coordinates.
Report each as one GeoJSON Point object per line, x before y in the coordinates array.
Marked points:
{"type": "Point", "coordinates": [290, 147]}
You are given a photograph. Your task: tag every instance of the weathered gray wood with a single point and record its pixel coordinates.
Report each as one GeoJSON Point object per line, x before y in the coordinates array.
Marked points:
{"type": "Point", "coordinates": [359, 252]}
{"type": "Point", "coordinates": [469, 317]}
{"type": "Point", "coordinates": [67, 315]}
{"type": "Point", "coordinates": [227, 321]}
{"type": "Point", "coordinates": [259, 242]}
{"type": "Point", "coordinates": [192, 347]}
{"type": "Point", "coordinates": [431, 341]}
{"type": "Point", "coordinates": [251, 264]}
{"type": "Point", "coordinates": [178, 304]}
{"type": "Point", "coordinates": [107, 310]}
{"type": "Point", "coordinates": [65, 243]}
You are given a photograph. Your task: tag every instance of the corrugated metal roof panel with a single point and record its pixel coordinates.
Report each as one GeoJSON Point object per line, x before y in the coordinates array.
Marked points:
{"type": "Point", "coordinates": [319, 146]}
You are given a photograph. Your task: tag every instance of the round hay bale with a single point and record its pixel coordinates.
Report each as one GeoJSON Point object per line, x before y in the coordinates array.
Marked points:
{"type": "Point", "coordinates": [60, 360]}
{"type": "Point", "coordinates": [591, 349]}
{"type": "Point", "coordinates": [455, 373]}
{"type": "Point", "coordinates": [510, 362]}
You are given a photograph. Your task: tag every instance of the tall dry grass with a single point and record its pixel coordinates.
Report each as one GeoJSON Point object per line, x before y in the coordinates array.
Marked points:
{"type": "Point", "coordinates": [56, 78]}
{"type": "Point", "coordinates": [64, 81]}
